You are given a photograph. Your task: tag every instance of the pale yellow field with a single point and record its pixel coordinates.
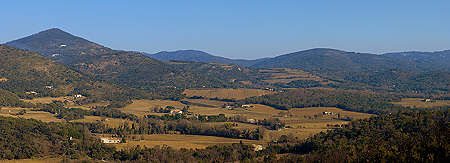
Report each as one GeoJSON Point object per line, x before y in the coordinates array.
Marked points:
{"type": "Point", "coordinates": [286, 75]}
{"type": "Point", "coordinates": [109, 122]}
{"type": "Point", "coordinates": [259, 112]}
{"type": "Point", "coordinates": [43, 160]}
{"type": "Point", "coordinates": [207, 102]}
{"type": "Point", "coordinates": [179, 141]}
{"type": "Point", "coordinates": [226, 93]}
{"type": "Point", "coordinates": [303, 122]}
{"type": "Point", "coordinates": [38, 115]}
{"type": "Point", "coordinates": [417, 102]}
{"type": "Point", "coordinates": [47, 100]}
{"type": "Point", "coordinates": [144, 107]}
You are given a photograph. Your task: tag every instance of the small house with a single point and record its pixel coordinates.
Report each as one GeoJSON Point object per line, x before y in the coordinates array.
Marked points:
{"type": "Point", "coordinates": [251, 120]}
{"type": "Point", "coordinates": [31, 93]}
{"type": "Point", "coordinates": [110, 140]}
{"type": "Point", "coordinates": [257, 147]}
{"type": "Point", "coordinates": [176, 111]}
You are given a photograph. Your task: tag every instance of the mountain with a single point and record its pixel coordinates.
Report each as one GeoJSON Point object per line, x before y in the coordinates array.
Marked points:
{"type": "Point", "coordinates": [143, 76]}
{"type": "Point", "coordinates": [429, 60]}
{"type": "Point", "coordinates": [29, 75]}
{"type": "Point", "coordinates": [323, 59]}
{"type": "Point", "coordinates": [199, 56]}
{"type": "Point", "coordinates": [59, 45]}
{"type": "Point", "coordinates": [331, 60]}
{"type": "Point", "coordinates": [189, 55]}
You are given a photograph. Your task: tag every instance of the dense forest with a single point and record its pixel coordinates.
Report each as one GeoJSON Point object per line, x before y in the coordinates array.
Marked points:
{"type": "Point", "coordinates": [411, 136]}
{"type": "Point", "coordinates": [68, 65]}
{"type": "Point", "coordinates": [419, 136]}
{"type": "Point", "coordinates": [10, 99]}
{"type": "Point", "coordinates": [359, 101]}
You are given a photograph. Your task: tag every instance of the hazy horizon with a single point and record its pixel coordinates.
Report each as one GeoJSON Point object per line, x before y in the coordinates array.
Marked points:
{"type": "Point", "coordinates": [239, 30]}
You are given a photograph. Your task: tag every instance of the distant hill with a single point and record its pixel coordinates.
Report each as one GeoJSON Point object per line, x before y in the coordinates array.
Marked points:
{"type": "Point", "coordinates": [28, 75]}
{"type": "Point", "coordinates": [398, 80]}
{"type": "Point", "coordinates": [199, 56]}
{"type": "Point", "coordinates": [59, 45]}
{"type": "Point", "coordinates": [129, 69]}
{"type": "Point", "coordinates": [324, 60]}
{"type": "Point", "coordinates": [429, 60]}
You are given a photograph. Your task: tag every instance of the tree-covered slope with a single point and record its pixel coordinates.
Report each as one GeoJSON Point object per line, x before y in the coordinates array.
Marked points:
{"type": "Point", "coordinates": [29, 75]}
{"type": "Point", "coordinates": [439, 60]}
{"type": "Point", "coordinates": [23, 71]}
{"type": "Point", "coordinates": [199, 56]}
{"type": "Point", "coordinates": [397, 80]}
{"type": "Point", "coordinates": [331, 60]}
{"type": "Point", "coordinates": [420, 136]}
{"type": "Point", "coordinates": [58, 45]}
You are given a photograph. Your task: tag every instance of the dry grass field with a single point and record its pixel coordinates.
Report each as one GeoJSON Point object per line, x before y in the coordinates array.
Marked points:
{"type": "Point", "coordinates": [302, 122]}
{"type": "Point", "coordinates": [286, 75]}
{"type": "Point", "coordinates": [207, 102]}
{"type": "Point", "coordinates": [109, 122]}
{"type": "Point", "coordinates": [178, 141]}
{"type": "Point", "coordinates": [38, 115]}
{"type": "Point", "coordinates": [143, 107]}
{"type": "Point", "coordinates": [226, 93]}
{"type": "Point", "coordinates": [417, 102]}
{"type": "Point", "coordinates": [41, 160]}
{"type": "Point", "coordinates": [47, 100]}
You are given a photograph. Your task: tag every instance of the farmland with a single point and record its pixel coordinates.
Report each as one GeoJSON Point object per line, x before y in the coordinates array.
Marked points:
{"type": "Point", "coordinates": [418, 102]}
{"type": "Point", "coordinates": [28, 114]}
{"type": "Point", "coordinates": [143, 107]}
{"type": "Point", "coordinates": [226, 93]}
{"type": "Point", "coordinates": [178, 141]}
{"type": "Point", "coordinates": [109, 122]}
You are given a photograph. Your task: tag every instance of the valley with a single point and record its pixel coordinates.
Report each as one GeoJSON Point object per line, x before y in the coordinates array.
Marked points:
{"type": "Point", "coordinates": [79, 100]}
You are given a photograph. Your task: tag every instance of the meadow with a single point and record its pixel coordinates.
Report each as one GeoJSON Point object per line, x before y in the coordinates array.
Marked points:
{"type": "Point", "coordinates": [226, 93]}
{"type": "Point", "coordinates": [178, 141]}
{"type": "Point", "coordinates": [419, 103]}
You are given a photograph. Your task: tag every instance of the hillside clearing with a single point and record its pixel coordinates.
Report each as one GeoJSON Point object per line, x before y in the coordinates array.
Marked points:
{"type": "Point", "coordinates": [226, 93]}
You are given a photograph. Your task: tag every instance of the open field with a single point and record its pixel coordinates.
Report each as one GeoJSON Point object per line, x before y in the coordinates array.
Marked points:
{"type": "Point", "coordinates": [207, 102]}
{"type": "Point", "coordinates": [179, 141]}
{"type": "Point", "coordinates": [40, 160]}
{"type": "Point", "coordinates": [286, 75]}
{"type": "Point", "coordinates": [259, 112]}
{"type": "Point", "coordinates": [302, 122]}
{"type": "Point", "coordinates": [109, 122]}
{"type": "Point", "coordinates": [144, 107]}
{"type": "Point", "coordinates": [226, 93]}
{"type": "Point", "coordinates": [417, 102]}
{"type": "Point", "coordinates": [38, 115]}
{"type": "Point", "coordinates": [47, 100]}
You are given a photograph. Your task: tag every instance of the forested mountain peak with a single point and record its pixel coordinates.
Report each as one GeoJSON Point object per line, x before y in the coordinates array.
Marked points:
{"type": "Point", "coordinates": [58, 45]}
{"type": "Point", "coordinates": [325, 59]}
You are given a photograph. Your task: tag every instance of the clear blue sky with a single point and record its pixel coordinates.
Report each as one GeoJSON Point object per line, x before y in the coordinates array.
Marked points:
{"type": "Point", "coordinates": [238, 28]}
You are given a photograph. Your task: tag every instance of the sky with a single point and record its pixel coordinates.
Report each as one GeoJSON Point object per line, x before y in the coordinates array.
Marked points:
{"type": "Point", "coordinates": [246, 29]}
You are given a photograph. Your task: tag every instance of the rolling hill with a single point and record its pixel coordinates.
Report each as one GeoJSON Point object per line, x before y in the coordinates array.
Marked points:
{"type": "Point", "coordinates": [128, 69]}
{"type": "Point", "coordinates": [429, 60]}
{"type": "Point", "coordinates": [59, 45]}
{"type": "Point", "coordinates": [199, 56]}
{"type": "Point", "coordinates": [322, 59]}
{"type": "Point", "coordinates": [29, 75]}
